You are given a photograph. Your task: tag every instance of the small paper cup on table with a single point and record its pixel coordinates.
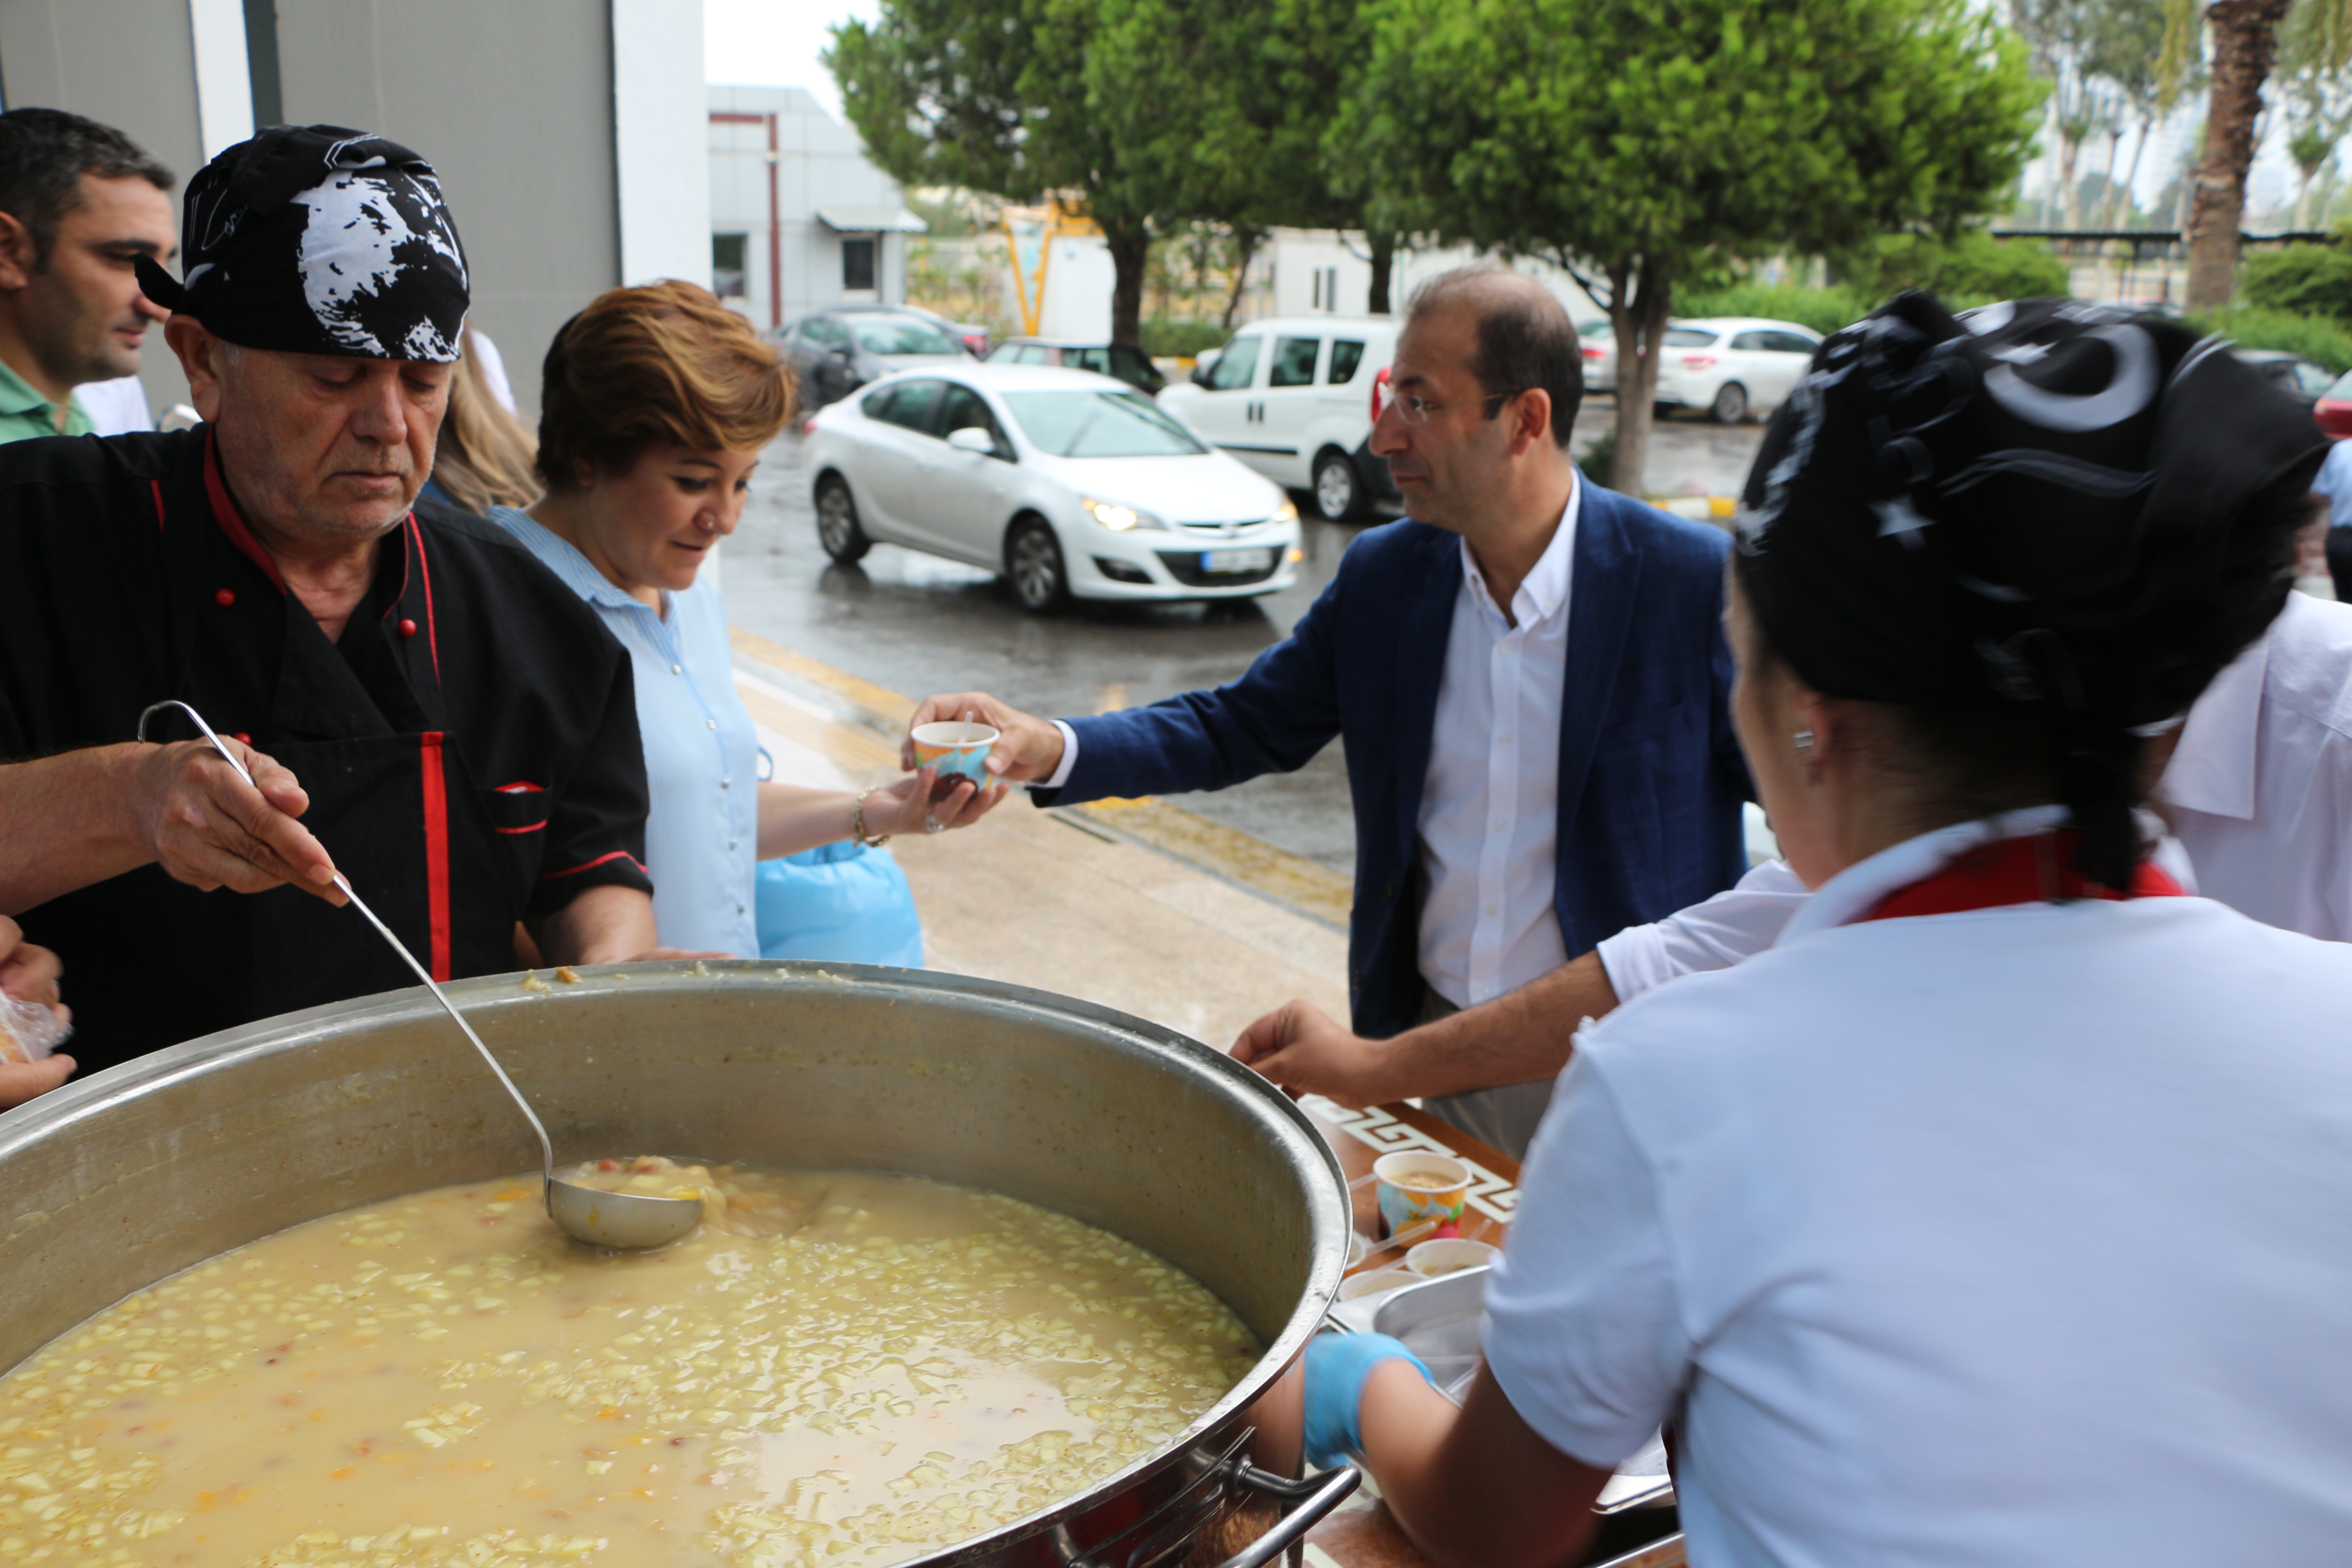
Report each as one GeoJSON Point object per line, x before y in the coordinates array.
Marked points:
{"type": "Point", "coordinates": [1373, 1282]}
{"type": "Point", "coordinates": [1421, 1188]}
{"type": "Point", "coordinates": [958, 748]}
{"type": "Point", "coordinates": [1452, 1254]}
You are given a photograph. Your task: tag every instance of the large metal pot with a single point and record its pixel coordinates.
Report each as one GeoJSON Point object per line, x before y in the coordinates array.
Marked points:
{"type": "Point", "coordinates": [113, 1183]}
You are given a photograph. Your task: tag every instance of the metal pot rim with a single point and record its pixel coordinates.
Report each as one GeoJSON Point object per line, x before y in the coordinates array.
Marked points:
{"type": "Point", "coordinates": [54, 1116]}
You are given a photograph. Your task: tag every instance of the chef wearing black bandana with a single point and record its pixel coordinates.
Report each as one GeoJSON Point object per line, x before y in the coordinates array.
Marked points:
{"type": "Point", "coordinates": [452, 728]}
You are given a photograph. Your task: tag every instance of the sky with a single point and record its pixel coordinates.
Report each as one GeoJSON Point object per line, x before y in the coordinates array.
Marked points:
{"type": "Point", "coordinates": [774, 43]}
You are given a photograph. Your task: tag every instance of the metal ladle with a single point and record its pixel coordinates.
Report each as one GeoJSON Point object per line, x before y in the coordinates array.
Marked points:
{"type": "Point", "coordinates": [631, 1221]}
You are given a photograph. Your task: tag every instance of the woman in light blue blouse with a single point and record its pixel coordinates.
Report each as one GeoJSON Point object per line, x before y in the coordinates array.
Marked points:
{"type": "Point", "coordinates": [655, 405]}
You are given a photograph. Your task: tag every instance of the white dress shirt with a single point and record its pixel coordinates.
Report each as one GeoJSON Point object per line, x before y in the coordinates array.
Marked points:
{"type": "Point", "coordinates": [1489, 822]}
{"type": "Point", "coordinates": [2259, 792]}
{"type": "Point", "coordinates": [1997, 1237]}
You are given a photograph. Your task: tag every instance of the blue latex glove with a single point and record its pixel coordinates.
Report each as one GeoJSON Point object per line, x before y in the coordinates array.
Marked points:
{"type": "Point", "coordinates": [1337, 1367]}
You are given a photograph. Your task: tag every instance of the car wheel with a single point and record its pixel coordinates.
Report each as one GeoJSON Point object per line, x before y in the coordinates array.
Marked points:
{"type": "Point", "coordinates": [1033, 563]}
{"type": "Point", "coordinates": [1730, 405]}
{"type": "Point", "coordinates": [838, 528]}
{"type": "Point", "coordinates": [1339, 489]}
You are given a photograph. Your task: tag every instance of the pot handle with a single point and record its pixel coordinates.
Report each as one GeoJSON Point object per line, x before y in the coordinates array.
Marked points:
{"type": "Point", "coordinates": [1315, 1496]}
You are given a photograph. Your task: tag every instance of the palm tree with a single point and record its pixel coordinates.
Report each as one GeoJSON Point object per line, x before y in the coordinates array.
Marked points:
{"type": "Point", "coordinates": [2246, 43]}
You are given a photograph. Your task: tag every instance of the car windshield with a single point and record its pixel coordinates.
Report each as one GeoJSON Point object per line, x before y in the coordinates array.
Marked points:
{"type": "Point", "coordinates": [2342, 391]}
{"type": "Point", "coordinates": [1100, 425]}
{"type": "Point", "coordinates": [889, 335]}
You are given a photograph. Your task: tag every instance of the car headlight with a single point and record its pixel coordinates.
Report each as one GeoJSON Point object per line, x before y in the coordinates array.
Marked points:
{"type": "Point", "coordinates": [1287, 512]}
{"type": "Point", "coordinates": [1116, 517]}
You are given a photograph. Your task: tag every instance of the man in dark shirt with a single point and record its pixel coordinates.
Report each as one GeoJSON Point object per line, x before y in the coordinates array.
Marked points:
{"type": "Point", "coordinates": [453, 727]}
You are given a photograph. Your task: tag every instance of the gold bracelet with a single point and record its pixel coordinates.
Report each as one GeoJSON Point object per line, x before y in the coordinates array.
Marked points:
{"type": "Point", "coordinates": [857, 821]}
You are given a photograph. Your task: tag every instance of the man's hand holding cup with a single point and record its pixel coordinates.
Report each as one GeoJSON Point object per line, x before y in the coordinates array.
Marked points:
{"type": "Point", "coordinates": [1025, 750]}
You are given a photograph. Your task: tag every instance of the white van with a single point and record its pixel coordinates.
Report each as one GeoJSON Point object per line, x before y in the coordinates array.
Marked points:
{"type": "Point", "coordinates": [1292, 397]}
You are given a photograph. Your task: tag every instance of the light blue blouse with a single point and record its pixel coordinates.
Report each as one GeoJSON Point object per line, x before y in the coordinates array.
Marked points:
{"type": "Point", "coordinates": [702, 835]}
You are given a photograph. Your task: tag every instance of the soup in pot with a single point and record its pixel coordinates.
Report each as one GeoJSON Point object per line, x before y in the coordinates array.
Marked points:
{"type": "Point", "coordinates": [837, 1368]}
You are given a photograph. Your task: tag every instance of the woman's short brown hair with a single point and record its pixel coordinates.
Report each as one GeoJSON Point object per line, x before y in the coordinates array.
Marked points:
{"type": "Point", "coordinates": [658, 365]}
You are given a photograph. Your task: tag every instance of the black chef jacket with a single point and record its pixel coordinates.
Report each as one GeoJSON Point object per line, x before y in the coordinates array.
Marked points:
{"type": "Point", "coordinates": [469, 744]}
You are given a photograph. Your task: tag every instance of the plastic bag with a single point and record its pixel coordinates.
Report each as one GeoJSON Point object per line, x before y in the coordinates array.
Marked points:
{"type": "Point", "coordinates": [840, 902]}
{"type": "Point", "coordinates": [28, 1031]}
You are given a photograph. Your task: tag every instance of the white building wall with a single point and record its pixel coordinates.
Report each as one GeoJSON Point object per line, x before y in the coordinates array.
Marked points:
{"type": "Point", "coordinates": [658, 138]}
{"type": "Point", "coordinates": [820, 165]}
{"type": "Point", "coordinates": [1079, 280]}
{"type": "Point", "coordinates": [1328, 272]}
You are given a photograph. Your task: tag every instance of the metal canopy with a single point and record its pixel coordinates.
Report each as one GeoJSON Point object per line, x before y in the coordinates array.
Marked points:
{"type": "Point", "coordinates": [871, 220]}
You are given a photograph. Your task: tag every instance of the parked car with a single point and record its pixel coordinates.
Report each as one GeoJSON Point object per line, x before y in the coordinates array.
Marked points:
{"type": "Point", "coordinates": [976, 339]}
{"type": "Point", "coordinates": [1293, 399]}
{"type": "Point", "coordinates": [1068, 482]}
{"type": "Point", "coordinates": [1127, 364]}
{"type": "Point", "coordinates": [1599, 340]}
{"type": "Point", "coordinates": [835, 351]}
{"type": "Point", "coordinates": [2333, 409]}
{"type": "Point", "coordinates": [1731, 366]}
{"type": "Point", "coordinates": [2292, 374]}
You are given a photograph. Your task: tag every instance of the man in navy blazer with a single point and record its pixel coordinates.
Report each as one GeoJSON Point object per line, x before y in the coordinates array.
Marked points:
{"type": "Point", "coordinates": [1517, 588]}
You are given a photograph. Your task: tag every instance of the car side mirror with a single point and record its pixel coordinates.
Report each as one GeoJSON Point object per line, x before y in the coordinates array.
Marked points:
{"type": "Point", "coordinates": [844, 355]}
{"type": "Point", "coordinates": [973, 439]}
{"type": "Point", "coordinates": [1202, 372]}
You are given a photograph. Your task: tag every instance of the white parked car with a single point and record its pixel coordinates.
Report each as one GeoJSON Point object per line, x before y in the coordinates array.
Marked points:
{"type": "Point", "coordinates": [1065, 482]}
{"type": "Point", "coordinates": [1292, 397]}
{"type": "Point", "coordinates": [1599, 342]}
{"type": "Point", "coordinates": [1731, 365]}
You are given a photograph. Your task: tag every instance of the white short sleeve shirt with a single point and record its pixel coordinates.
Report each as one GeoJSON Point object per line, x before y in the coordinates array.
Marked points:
{"type": "Point", "coordinates": [2008, 1236]}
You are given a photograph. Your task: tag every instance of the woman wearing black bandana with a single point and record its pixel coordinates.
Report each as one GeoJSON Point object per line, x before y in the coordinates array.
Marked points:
{"type": "Point", "coordinates": [2001, 1214]}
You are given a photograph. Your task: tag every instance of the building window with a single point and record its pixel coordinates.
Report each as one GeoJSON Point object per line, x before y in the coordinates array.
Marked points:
{"type": "Point", "coordinates": [857, 262]}
{"type": "Point", "coordinates": [1325, 282]}
{"type": "Point", "coordinates": [727, 251]}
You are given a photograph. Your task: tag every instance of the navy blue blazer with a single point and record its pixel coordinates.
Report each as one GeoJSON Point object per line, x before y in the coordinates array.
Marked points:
{"type": "Point", "coordinates": [1651, 778]}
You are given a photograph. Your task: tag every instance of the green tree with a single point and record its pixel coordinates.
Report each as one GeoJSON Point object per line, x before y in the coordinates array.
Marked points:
{"type": "Point", "coordinates": [1971, 265]}
{"type": "Point", "coordinates": [2318, 93]}
{"type": "Point", "coordinates": [1643, 142]}
{"type": "Point", "coordinates": [2302, 280]}
{"type": "Point", "coordinates": [993, 95]}
{"type": "Point", "coordinates": [1225, 105]}
{"type": "Point", "coordinates": [2245, 44]}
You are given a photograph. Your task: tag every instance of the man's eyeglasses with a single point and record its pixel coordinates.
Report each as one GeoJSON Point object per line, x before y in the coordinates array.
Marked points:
{"type": "Point", "coordinates": [1415, 409]}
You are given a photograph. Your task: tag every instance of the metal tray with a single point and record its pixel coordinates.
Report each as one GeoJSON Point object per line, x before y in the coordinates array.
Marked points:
{"type": "Point", "coordinates": [1440, 1321]}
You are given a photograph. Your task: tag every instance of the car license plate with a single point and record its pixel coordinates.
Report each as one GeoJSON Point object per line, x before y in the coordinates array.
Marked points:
{"type": "Point", "coordinates": [1236, 560]}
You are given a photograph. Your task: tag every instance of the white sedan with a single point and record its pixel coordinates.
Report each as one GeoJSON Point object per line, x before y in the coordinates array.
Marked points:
{"type": "Point", "coordinates": [1068, 482]}
{"type": "Point", "coordinates": [1732, 365]}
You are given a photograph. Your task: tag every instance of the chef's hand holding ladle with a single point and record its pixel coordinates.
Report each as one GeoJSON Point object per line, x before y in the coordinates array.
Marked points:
{"type": "Point", "coordinates": [629, 1221]}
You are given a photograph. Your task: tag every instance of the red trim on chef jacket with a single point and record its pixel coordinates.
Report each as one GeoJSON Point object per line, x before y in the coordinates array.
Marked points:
{"type": "Point", "coordinates": [437, 853]}
{"type": "Point", "coordinates": [425, 573]}
{"type": "Point", "coordinates": [591, 865]}
{"type": "Point", "coordinates": [157, 486]}
{"type": "Point", "coordinates": [2033, 870]}
{"type": "Point", "coordinates": [231, 521]}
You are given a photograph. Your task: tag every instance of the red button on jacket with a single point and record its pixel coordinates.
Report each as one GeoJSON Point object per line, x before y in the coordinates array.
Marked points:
{"type": "Point", "coordinates": [408, 628]}
{"type": "Point", "coordinates": [225, 598]}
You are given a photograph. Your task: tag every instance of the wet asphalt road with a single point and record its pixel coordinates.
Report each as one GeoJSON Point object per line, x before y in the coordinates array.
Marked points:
{"type": "Point", "coordinates": [918, 625]}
